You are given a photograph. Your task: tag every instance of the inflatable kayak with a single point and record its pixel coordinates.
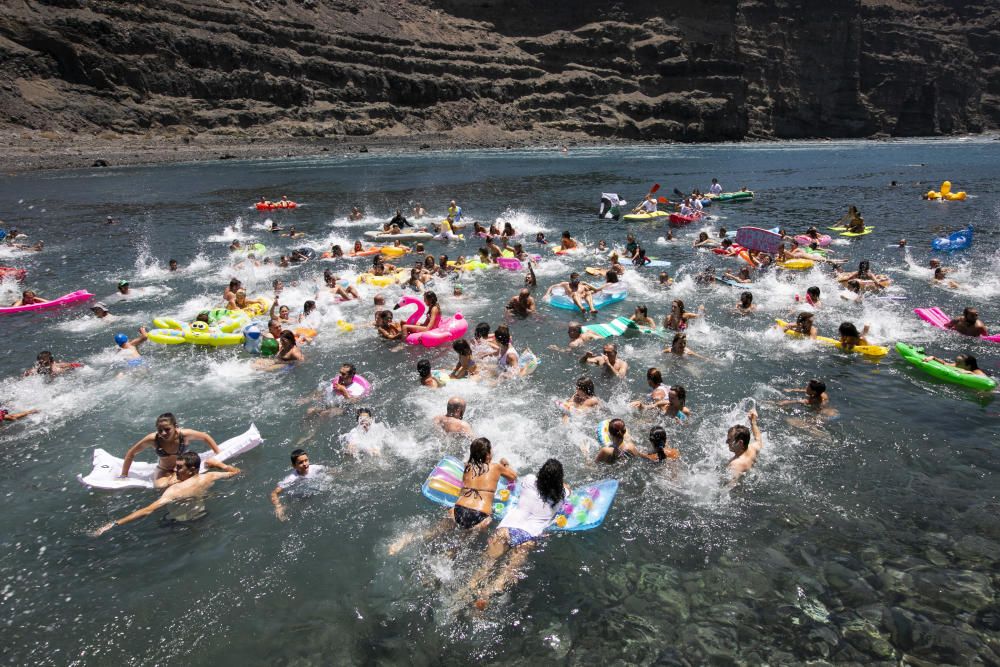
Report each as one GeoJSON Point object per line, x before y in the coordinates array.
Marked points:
{"type": "Point", "coordinates": [866, 350]}
{"type": "Point", "coordinates": [107, 467]}
{"type": "Point", "coordinates": [759, 240]}
{"type": "Point", "coordinates": [732, 196]}
{"type": "Point", "coordinates": [642, 217]}
{"type": "Point", "coordinates": [601, 300]}
{"type": "Point", "coordinates": [959, 240]}
{"type": "Point", "coordinates": [915, 355]}
{"type": "Point", "coordinates": [937, 318]}
{"type": "Point", "coordinates": [402, 236]}
{"type": "Point", "coordinates": [65, 300]}
{"type": "Point", "coordinates": [273, 205]}
{"type": "Point", "coordinates": [678, 219]}
{"type": "Point", "coordinates": [11, 272]}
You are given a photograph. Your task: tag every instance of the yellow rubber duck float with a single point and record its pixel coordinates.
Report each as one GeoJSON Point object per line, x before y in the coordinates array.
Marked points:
{"type": "Point", "coordinates": [945, 194]}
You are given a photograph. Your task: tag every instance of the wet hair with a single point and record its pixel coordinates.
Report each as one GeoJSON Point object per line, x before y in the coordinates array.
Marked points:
{"type": "Point", "coordinates": [288, 337]}
{"type": "Point", "coordinates": [234, 284]}
{"type": "Point", "coordinates": [308, 307]}
{"type": "Point", "coordinates": [502, 334]}
{"type": "Point", "coordinates": [804, 317]}
{"type": "Point", "coordinates": [479, 452]}
{"type": "Point", "coordinates": [202, 317]}
{"type": "Point", "coordinates": [482, 330]}
{"type": "Point", "coordinates": [429, 261]}
{"type": "Point", "coordinates": [849, 330]}
{"type": "Point", "coordinates": [679, 304]}
{"type": "Point", "coordinates": [585, 384]}
{"type": "Point", "coordinates": [970, 311]}
{"type": "Point", "coordinates": [462, 346]}
{"type": "Point", "coordinates": [643, 309]}
{"type": "Point", "coordinates": [549, 482]}
{"type": "Point", "coordinates": [817, 386]}
{"type": "Point", "coordinates": [658, 438]}
{"type": "Point", "coordinates": [191, 460]}
{"type": "Point", "coordinates": [424, 368]}
{"type": "Point", "coordinates": [864, 268]}
{"type": "Point", "coordinates": [296, 453]}
{"type": "Point", "coordinates": [813, 293]}
{"type": "Point", "coordinates": [565, 234]}
{"type": "Point", "coordinates": [739, 433]}
{"type": "Point", "coordinates": [967, 361]}
{"type": "Point", "coordinates": [431, 298]}
{"type": "Point", "coordinates": [611, 276]}
{"type": "Point", "coordinates": [350, 368]}
{"type": "Point", "coordinates": [575, 327]}
{"type": "Point", "coordinates": [363, 411]}
{"type": "Point", "coordinates": [746, 298]}
{"type": "Point", "coordinates": [574, 277]}
{"type": "Point", "coordinates": [682, 395]}
{"type": "Point", "coordinates": [678, 338]}
{"type": "Point", "coordinates": [168, 417]}
{"type": "Point", "coordinates": [703, 236]}
{"type": "Point", "coordinates": [617, 427]}
{"type": "Point", "coordinates": [654, 376]}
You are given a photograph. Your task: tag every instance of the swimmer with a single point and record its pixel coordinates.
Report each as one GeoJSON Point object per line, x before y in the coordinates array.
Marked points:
{"type": "Point", "coordinates": [483, 342]}
{"type": "Point", "coordinates": [743, 277]}
{"type": "Point", "coordinates": [665, 280]}
{"type": "Point", "coordinates": [229, 293]}
{"type": "Point", "coordinates": [508, 361]}
{"type": "Point", "coordinates": [968, 324]}
{"type": "Point", "coordinates": [621, 446]}
{"type": "Point", "coordinates": [333, 284]}
{"type": "Point", "coordinates": [935, 264]}
{"type": "Point", "coordinates": [294, 234]}
{"type": "Point", "coordinates": [399, 220]}
{"type": "Point", "coordinates": [418, 210]}
{"type": "Point", "coordinates": [744, 443]}
{"type": "Point", "coordinates": [426, 375]}
{"type": "Point", "coordinates": [803, 325]}
{"type": "Point", "coordinates": [609, 360]}
{"type": "Point", "coordinates": [356, 213]}
{"type": "Point", "coordinates": [677, 403]}
{"type": "Point", "coordinates": [45, 364]}
{"type": "Point", "coordinates": [386, 327]}
{"type": "Point", "coordinates": [6, 416]}
{"type": "Point", "coordinates": [100, 311]}
{"type": "Point", "coordinates": [414, 282]}
{"type": "Point", "coordinates": [474, 507]}
{"type": "Point", "coordinates": [703, 241]}
{"type": "Point", "coordinates": [812, 297]}
{"type": "Point", "coordinates": [240, 301]}
{"type": "Point", "coordinates": [965, 362]}
{"type": "Point", "coordinates": [301, 470]}
{"type": "Point", "coordinates": [816, 397]}
{"type": "Point", "coordinates": [28, 298]}
{"type": "Point", "coordinates": [452, 420]}
{"type": "Point", "coordinates": [578, 292]}
{"type": "Point", "coordinates": [583, 397]}
{"type": "Point", "coordinates": [129, 349]}
{"type": "Point", "coordinates": [679, 347]}
{"type": "Point", "coordinates": [189, 482]}
{"type": "Point", "coordinates": [678, 318]}
{"type": "Point", "coordinates": [288, 353]}
{"type": "Point", "coordinates": [110, 221]}
{"type": "Point", "coordinates": [541, 498]}
{"type": "Point", "coordinates": [530, 280]}
{"type": "Point", "coordinates": [523, 304]}
{"type": "Point", "coordinates": [274, 228]}
{"type": "Point", "coordinates": [577, 337]}
{"type": "Point", "coordinates": [431, 319]}
{"type": "Point", "coordinates": [849, 336]}
{"type": "Point", "coordinates": [658, 398]}
{"type": "Point", "coordinates": [641, 317]}
{"type": "Point", "coordinates": [466, 366]}
{"type": "Point", "coordinates": [360, 438]}
{"type": "Point", "coordinates": [567, 242]}
{"type": "Point", "coordinates": [661, 452]}
{"type": "Point", "coordinates": [172, 265]}
{"type": "Point", "coordinates": [746, 305]}
{"type": "Point", "coordinates": [169, 442]}
{"type": "Point", "coordinates": [939, 277]}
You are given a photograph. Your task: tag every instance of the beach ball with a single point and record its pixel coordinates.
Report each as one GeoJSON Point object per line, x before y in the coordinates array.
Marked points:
{"type": "Point", "coordinates": [561, 521]}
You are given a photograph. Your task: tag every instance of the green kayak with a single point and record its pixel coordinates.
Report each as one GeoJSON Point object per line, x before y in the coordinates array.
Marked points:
{"type": "Point", "coordinates": [743, 195]}
{"type": "Point", "coordinates": [640, 217]}
{"type": "Point", "coordinates": [915, 355]}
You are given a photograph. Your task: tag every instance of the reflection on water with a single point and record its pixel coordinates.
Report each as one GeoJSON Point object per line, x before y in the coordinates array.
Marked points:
{"type": "Point", "coordinates": [871, 536]}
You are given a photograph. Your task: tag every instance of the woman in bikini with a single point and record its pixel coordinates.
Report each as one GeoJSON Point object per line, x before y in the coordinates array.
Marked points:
{"type": "Point", "coordinates": [678, 318]}
{"type": "Point", "coordinates": [169, 441]}
{"type": "Point", "coordinates": [621, 445]}
{"type": "Point", "coordinates": [431, 320]}
{"type": "Point", "coordinates": [466, 366]}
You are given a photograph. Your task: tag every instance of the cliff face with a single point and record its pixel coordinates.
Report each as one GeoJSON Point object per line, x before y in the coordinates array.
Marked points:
{"type": "Point", "coordinates": [711, 70]}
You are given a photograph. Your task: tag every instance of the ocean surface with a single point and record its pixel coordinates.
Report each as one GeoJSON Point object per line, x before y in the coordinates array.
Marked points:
{"type": "Point", "coordinates": [865, 538]}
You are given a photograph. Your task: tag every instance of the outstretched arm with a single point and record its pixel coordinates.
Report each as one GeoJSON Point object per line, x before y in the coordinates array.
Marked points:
{"type": "Point", "coordinates": [138, 514]}
{"type": "Point", "coordinates": [135, 449]}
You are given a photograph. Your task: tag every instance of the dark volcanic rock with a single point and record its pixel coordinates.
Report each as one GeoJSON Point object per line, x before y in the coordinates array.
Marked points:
{"type": "Point", "coordinates": [644, 69]}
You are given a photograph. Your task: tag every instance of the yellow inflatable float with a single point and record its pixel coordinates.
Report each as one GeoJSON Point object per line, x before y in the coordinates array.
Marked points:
{"type": "Point", "coordinates": [945, 194]}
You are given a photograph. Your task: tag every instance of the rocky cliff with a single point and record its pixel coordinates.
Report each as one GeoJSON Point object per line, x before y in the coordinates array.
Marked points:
{"type": "Point", "coordinates": [637, 69]}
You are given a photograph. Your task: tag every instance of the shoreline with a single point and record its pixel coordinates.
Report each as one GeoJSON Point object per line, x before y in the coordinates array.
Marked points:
{"type": "Point", "coordinates": [46, 151]}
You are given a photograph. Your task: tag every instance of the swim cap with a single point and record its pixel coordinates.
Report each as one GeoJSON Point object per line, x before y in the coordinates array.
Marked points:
{"type": "Point", "coordinates": [122, 283]}
{"type": "Point", "coordinates": [121, 339]}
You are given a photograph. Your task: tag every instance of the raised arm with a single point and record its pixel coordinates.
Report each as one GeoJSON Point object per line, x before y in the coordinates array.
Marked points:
{"type": "Point", "coordinates": [506, 470]}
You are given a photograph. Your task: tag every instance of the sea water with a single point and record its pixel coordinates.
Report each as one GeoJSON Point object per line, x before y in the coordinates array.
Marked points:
{"type": "Point", "coordinates": [871, 536]}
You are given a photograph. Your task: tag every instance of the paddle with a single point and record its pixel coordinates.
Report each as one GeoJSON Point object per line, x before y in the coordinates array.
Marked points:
{"type": "Point", "coordinates": [652, 191]}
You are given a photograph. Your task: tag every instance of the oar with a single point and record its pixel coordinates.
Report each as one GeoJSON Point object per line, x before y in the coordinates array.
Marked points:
{"type": "Point", "coordinates": [652, 191]}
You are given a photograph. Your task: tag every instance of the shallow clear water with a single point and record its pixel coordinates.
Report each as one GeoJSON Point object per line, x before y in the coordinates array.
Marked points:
{"type": "Point", "coordinates": [870, 537]}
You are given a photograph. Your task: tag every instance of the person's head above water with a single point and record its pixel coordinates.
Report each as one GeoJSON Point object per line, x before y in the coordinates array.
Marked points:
{"type": "Point", "coordinates": [424, 368]}
{"type": "Point", "coordinates": [122, 286]}
{"type": "Point", "coordinates": [455, 407]}
{"type": "Point", "coordinates": [971, 315]}
{"type": "Point", "coordinates": [120, 339]}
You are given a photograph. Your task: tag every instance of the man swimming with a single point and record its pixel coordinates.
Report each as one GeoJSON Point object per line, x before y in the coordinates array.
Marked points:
{"type": "Point", "coordinates": [452, 421]}
{"type": "Point", "coordinates": [301, 471]}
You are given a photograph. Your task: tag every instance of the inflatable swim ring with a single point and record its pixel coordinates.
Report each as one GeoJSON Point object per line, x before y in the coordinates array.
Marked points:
{"type": "Point", "coordinates": [447, 330]}
{"type": "Point", "coordinates": [959, 240]}
{"type": "Point", "coordinates": [358, 389]}
{"type": "Point", "coordinates": [797, 264]}
{"type": "Point", "coordinates": [601, 300]}
{"type": "Point", "coordinates": [604, 435]}
{"type": "Point", "coordinates": [224, 320]}
{"type": "Point", "coordinates": [257, 309]}
{"type": "Point", "coordinates": [273, 205]}
{"type": "Point", "coordinates": [398, 276]}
